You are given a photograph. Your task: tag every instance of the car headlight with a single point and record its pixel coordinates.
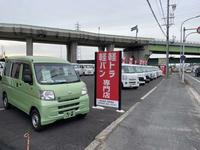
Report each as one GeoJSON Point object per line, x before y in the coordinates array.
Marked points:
{"type": "Point", "coordinates": [47, 95]}
{"type": "Point", "coordinates": [125, 77]}
{"type": "Point", "coordinates": [84, 91]}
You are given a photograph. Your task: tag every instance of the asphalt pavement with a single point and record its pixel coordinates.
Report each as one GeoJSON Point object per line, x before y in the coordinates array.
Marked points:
{"type": "Point", "coordinates": [193, 81]}
{"type": "Point", "coordinates": [73, 134]}
{"type": "Point", "coordinates": [167, 119]}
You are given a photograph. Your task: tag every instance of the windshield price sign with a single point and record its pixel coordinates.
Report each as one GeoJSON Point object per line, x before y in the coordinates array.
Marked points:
{"type": "Point", "coordinates": [108, 79]}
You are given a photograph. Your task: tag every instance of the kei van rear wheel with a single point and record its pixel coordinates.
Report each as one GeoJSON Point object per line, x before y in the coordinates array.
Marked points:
{"type": "Point", "coordinates": [36, 120]}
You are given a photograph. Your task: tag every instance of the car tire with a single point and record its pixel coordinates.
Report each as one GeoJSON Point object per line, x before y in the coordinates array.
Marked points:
{"type": "Point", "coordinates": [122, 86]}
{"type": "Point", "coordinates": [6, 104]}
{"type": "Point", "coordinates": [36, 120]}
{"type": "Point", "coordinates": [82, 116]}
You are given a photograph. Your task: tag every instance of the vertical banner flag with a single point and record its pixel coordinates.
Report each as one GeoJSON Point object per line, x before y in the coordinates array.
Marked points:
{"type": "Point", "coordinates": [108, 79]}
{"type": "Point", "coordinates": [130, 60]}
{"type": "Point", "coordinates": [124, 60]}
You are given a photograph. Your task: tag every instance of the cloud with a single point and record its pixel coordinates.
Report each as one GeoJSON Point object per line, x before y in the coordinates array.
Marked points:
{"type": "Point", "coordinates": [113, 17]}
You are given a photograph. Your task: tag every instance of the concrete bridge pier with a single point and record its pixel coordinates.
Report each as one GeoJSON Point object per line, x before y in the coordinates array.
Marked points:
{"type": "Point", "coordinates": [110, 47]}
{"type": "Point", "coordinates": [101, 48]}
{"type": "Point", "coordinates": [72, 52]}
{"type": "Point", "coordinates": [29, 47]}
{"type": "Point", "coordinates": [137, 53]}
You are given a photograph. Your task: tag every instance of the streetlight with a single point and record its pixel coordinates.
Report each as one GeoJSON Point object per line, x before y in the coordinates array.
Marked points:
{"type": "Point", "coordinates": [184, 40]}
{"type": "Point", "coordinates": [181, 37]}
{"type": "Point", "coordinates": [135, 28]}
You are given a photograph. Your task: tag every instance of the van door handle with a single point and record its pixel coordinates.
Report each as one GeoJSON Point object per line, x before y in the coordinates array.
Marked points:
{"type": "Point", "coordinates": [18, 84]}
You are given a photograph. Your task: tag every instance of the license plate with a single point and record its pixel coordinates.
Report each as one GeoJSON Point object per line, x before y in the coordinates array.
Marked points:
{"type": "Point", "coordinates": [69, 114]}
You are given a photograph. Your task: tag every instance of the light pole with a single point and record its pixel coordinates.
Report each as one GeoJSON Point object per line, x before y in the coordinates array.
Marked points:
{"type": "Point", "coordinates": [184, 40]}
{"type": "Point", "coordinates": [181, 38]}
{"type": "Point", "coordinates": [135, 28]}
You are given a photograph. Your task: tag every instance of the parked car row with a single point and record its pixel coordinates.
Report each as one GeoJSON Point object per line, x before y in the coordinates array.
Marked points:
{"type": "Point", "coordinates": [84, 69]}
{"type": "Point", "coordinates": [1, 67]}
{"type": "Point", "coordinates": [197, 72]}
{"type": "Point", "coordinates": [135, 75]}
{"type": "Point", "coordinates": [49, 89]}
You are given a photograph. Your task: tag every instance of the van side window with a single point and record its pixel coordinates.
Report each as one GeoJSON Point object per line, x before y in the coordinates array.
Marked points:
{"type": "Point", "coordinates": [15, 70]}
{"type": "Point", "coordinates": [7, 69]}
{"type": "Point", "coordinates": [27, 73]}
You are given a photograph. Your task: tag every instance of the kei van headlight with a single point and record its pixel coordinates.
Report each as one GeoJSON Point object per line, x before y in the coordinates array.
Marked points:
{"type": "Point", "coordinates": [47, 95]}
{"type": "Point", "coordinates": [125, 77]}
{"type": "Point", "coordinates": [84, 90]}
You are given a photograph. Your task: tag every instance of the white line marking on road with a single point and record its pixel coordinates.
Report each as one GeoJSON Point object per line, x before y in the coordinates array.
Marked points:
{"type": "Point", "coordinates": [148, 93]}
{"type": "Point", "coordinates": [1, 109]}
{"type": "Point", "coordinates": [193, 78]}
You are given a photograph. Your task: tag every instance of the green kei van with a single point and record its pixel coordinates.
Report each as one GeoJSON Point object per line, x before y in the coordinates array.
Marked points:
{"type": "Point", "coordinates": [46, 88]}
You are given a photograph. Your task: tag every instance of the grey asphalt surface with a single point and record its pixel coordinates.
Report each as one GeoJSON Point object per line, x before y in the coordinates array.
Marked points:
{"type": "Point", "coordinates": [168, 119]}
{"type": "Point", "coordinates": [190, 79]}
{"type": "Point", "coordinates": [73, 134]}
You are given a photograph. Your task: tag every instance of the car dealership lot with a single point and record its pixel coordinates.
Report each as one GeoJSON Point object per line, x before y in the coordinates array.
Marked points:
{"type": "Point", "coordinates": [73, 133]}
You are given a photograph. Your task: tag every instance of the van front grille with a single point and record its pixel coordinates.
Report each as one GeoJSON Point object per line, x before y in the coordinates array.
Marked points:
{"type": "Point", "coordinates": [63, 111]}
{"type": "Point", "coordinates": [64, 100]}
{"type": "Point", "coordinates": [66, 106]}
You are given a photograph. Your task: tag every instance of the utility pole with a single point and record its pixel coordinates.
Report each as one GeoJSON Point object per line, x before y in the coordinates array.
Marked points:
{"type": "Point", "coordinates": [167, 42]}
{"type": "Point", "coordinates": [77, 26]}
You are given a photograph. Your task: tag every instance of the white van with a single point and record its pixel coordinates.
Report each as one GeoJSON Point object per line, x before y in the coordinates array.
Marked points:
{"type": "Point", "coordinates": [1, 67]}
{"type": "Point", "coordinates": [78, 69]}
{"type": "Point", "coordinates": [129, 77]}
{"type": "Point", "coordinates": [88, 69]}
{"type": "Point", "coordinates": [140, 73]}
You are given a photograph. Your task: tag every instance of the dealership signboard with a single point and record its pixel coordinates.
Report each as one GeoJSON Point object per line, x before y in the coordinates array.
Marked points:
{"type": "Point", "coordinates": [108, 79]}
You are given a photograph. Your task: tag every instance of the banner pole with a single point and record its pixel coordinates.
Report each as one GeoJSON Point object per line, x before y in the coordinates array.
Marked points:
{"type": "Point", "coordinates": [120, 75]}
{"type": "Point", "coordinates": [95, 77]}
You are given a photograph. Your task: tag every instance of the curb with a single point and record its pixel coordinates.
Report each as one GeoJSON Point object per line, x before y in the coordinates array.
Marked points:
{"type": "Point", "coordinates": [102, 136]}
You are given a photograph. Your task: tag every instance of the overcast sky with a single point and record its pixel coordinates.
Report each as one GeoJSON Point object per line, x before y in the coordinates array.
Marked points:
{"type": "Point", "coordinates": [113, 17]}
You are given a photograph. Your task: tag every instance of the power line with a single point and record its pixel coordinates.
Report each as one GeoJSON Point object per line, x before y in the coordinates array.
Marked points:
{"type": "Point", "coordinates": [156, 18]}
{"type": "Point", "coordinates": [162, 10]}
{"type": "Point", "coordinates": [159, 9]}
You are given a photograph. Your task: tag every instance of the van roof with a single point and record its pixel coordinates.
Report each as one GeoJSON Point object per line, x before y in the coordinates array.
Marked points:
{"type": "Point", "coordinates": [37, 59]}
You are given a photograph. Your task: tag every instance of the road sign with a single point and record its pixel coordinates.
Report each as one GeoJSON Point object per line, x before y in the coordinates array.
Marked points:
{"type": "Point", "coordinates": [198, 30]}
{"type": "Point", "coordinates": [108, 79]}
{"type": "Point", "coordinates": [183, 58]}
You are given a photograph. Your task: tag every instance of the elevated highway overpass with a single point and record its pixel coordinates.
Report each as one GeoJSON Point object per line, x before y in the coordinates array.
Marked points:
{"type": "Point", "coordinates": [133, 47]}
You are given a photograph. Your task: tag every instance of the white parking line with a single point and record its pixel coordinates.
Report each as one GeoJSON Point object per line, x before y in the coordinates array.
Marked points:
{"type": "Point", "coordinates": [1, 109]}
{"type": "Point", "coordinates": [193, 78]}
{"type": "Point", "coordinates": [148, 93]}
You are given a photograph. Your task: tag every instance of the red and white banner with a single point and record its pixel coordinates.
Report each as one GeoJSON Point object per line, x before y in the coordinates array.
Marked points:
{"type": "Point", "coordinates": [163, 69]}
{"type": "Point", "coordinates": [108, 79]}
{"type": "Point", "coordinates": [124, 60]}
{"type": "Point", "coordinates": [130, 61]}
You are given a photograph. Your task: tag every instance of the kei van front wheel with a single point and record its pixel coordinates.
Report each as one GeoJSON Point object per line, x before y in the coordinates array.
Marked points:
{"type": "Point", "coordinates": [6, 105]}
{"type": "Point", "coordinates": [36, 120]}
